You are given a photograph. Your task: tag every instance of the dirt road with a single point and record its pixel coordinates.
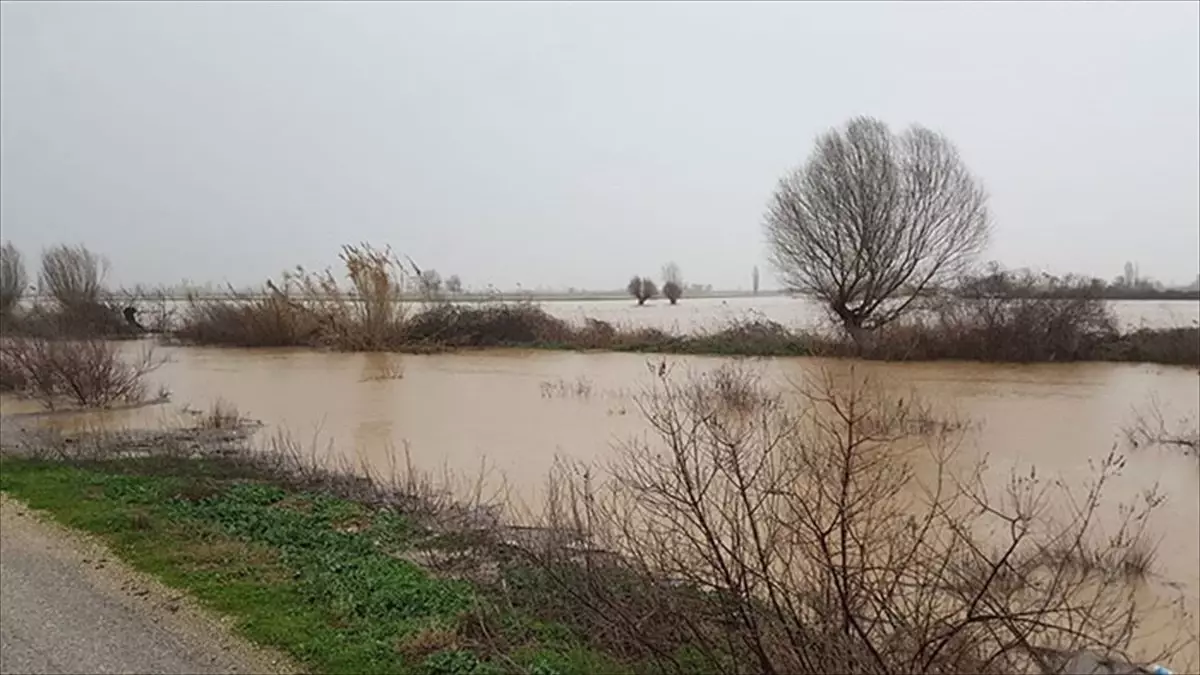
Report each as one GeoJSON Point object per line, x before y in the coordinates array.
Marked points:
{"type": "Point", "coordinates": [67, 606]}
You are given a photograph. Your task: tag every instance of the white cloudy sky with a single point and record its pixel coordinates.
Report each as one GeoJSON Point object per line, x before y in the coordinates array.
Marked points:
{"type": "Point", "coordinates": [563, 144]}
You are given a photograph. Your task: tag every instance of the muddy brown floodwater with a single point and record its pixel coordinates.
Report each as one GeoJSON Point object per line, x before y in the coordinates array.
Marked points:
{"type": "Point", "coordinates": [515, 411]}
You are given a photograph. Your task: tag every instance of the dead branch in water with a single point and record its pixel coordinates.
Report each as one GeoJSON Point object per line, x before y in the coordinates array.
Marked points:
{"type": "Point", "coordinates": [1150, 428]}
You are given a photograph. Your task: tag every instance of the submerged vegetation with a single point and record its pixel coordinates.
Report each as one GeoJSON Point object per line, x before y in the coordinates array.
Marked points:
{"type": "Point", "coordinates": [828, 532]}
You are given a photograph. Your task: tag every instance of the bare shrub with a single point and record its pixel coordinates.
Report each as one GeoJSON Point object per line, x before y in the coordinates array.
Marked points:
{"type": "Point", "coordinates": [13, 279]}
{"type": "Point", "coordinates": [1179, 345]}
{"type": "Point", "coordinates": [86, 373]}
{"type": "Point", "coordinates": [751, 535]}
{"type": "Point", "coordinates": [270, 320]}
{"type": "Point", "coordinates": [642, 289]}
{"type": "Point", "coordinates": [755, 336]}
{"type": "Point", "coordinates": [873, 219]}
{"type": "Point", "coordinates": [73, 275]}
{"type": "Point", "coordinates": [487, 325]}
{"type": "Point", "coordinates": [222, 415]}
{"type": "Point", "coordinates": [1005, 317]}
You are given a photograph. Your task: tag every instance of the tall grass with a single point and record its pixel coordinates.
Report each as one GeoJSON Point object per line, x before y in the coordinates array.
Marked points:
{"type": "Point", "coordinates": [309, 309]}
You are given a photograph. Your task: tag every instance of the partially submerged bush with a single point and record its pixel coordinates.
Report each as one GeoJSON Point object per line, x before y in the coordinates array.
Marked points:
{"type": "Point", "coordinates": [1033, 320]}
{"type": "Point", "coordinates": [270, 320]}
{"type": "Point", "coordinates": [222, 415]}
{"type": "Point", "coordinates": [487, 325]}
{"type": "Point", "coordinates": [85, 373]}
{"type": "Point", "coordinates": [756, 337]}
{"type": "Point", "coordinates": [751, 536]}
{"type": "Point", "coordinates": [1180, 346]}
{"type": "Point", "coordinates": [306, 309]}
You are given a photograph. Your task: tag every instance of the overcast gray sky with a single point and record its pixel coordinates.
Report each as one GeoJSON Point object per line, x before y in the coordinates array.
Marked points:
{"type": "Point", "coordinates": [564, 144]}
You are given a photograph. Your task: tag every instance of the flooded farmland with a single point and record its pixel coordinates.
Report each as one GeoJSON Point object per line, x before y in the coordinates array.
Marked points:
{"type": "Point", "coordinates": [513, 412]}
{"type": "Point", "coordinates": [700, 314]}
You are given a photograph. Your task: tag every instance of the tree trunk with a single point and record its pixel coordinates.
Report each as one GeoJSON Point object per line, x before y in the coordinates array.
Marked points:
{"type": "Point", "coordinates": [853, 324]}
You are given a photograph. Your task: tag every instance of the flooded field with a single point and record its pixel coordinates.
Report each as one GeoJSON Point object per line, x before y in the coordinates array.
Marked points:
{"type": "Point", "coordinates": [516, 411]}
{"type": "Point", "coordinates": [693, 315]}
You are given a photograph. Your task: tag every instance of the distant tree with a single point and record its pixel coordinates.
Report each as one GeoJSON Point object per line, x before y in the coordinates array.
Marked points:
{"type": "Point", "coordinates": [872, 212]}
{"type": "Point", "coordinates": [13, 279]}
{"type": "Point", "coordinates": [672, 282]}
{"type": "Point", "coordinates": [454, 284]}
{"type": "Point", "coordinates": [430, 282]}
{"type": "Point", "coordinates": [672, 291]}
{"type": "Point", "coordinates": [642, 288]}
{"type": "Point", "coordinates": [754, 280]}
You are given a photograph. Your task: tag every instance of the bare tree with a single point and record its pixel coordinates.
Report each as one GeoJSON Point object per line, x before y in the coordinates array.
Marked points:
{"type": "Point", "coordinates": [73, 275]}
{"type": "Point", "coordinates": [872, 216]}
{"type": "Point", "coordinates": [454, 284]}
{"type": "Point", "coordinates": [431, 282]}
{"type": "Point", "coordinates": [13, 279]}
{"type": "Point", "coordinates": [672, 282]}
{"type": "Point", "coordinates": [642, 288]}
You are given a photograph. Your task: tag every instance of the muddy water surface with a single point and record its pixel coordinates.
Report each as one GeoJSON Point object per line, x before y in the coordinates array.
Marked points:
{"type": "Point", "coordinates": [517, 410]}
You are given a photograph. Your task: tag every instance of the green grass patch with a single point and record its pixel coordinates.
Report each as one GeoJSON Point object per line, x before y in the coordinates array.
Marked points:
{"type": "Point", "coordinates": [311, 574]}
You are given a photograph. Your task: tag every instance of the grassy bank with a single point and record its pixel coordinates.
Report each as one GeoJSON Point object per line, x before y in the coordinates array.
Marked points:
{"type": "Point", "coordinates": [321, 577]}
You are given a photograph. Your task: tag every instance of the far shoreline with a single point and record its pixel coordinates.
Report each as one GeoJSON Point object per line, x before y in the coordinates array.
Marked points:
{"type": "Point", "coordinates": [582, 296]}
